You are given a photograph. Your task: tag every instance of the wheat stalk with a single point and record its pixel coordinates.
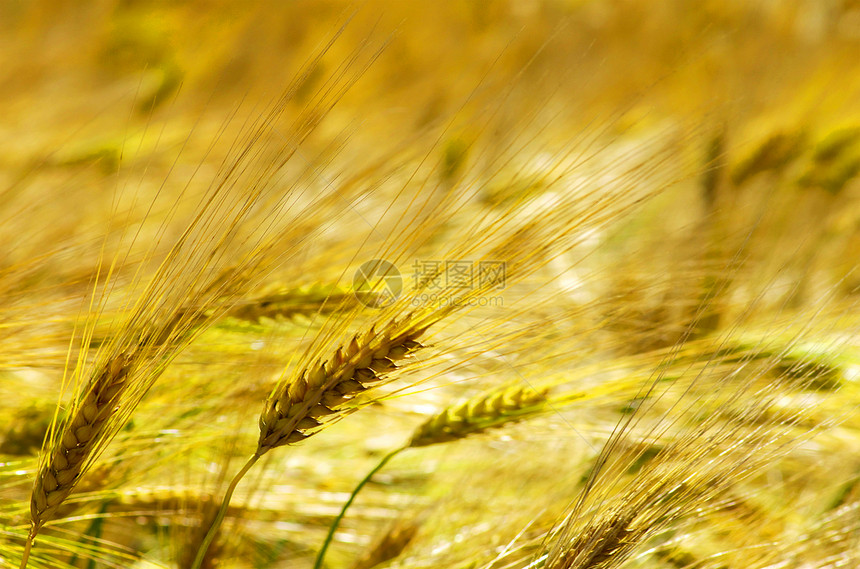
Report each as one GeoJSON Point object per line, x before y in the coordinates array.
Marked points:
{"type": "Point", "coordinates": [197, 537]}
{"type": "Point", "coordinates": [486, 411]}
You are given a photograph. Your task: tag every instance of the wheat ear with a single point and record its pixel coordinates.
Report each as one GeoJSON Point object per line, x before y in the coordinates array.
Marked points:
{"type": "Point", "coordinates": [291, 413]}
{"type": "Point", "coordinates": [605, 539]}
{"type": "Point", "coordinates": [288, 303]}
{"type": "Point", "coordinates": [76, 445]}
{"type": "Point", "coordinates": [296, 406]}
{"type": "Point", "coordinates": [390, 544]}
{"type": "Point", "coordinates": [476, 415]}
{"type": "Point", "coordinates": [60, 473]}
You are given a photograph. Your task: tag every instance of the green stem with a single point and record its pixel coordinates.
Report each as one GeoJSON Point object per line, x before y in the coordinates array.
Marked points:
{"type": "Point", "coordinates": [334, 525]}
{"type": "Point", "coordinates": [222, 511]}
{"type": "Point", "coordinates": [95, 532]}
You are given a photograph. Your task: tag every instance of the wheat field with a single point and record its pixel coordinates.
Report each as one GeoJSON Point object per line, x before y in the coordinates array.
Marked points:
{"type": "Point", "coordinates": [513, 284]}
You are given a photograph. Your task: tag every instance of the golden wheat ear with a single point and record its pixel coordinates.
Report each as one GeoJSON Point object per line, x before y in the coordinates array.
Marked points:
{"type": "Point", "coordinates": [293, 411]}
{"type": "Point", "coordinates": [77, 441]}
{"type": "Point", "coordinates": [132, 362]}
{"type": "Point", "coordinates": [300, 403]}
{"type": "Point", "coordinates": [288, 303]}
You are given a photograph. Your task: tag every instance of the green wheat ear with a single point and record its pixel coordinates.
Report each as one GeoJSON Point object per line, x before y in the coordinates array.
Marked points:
{"type": "Point", "coordinates": [470, 417]}
{"type": "Point", "coordinates": [473, 416]}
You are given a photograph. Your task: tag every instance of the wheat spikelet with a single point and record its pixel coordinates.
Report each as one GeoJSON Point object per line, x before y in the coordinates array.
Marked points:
{"type": "Point", "coordinates": [292, 412]}
{"type": "Point", "coordinates": [475, 415]}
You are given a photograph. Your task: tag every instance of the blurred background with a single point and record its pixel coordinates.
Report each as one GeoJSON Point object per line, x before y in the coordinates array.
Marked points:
{"type": "Point", "coordinates": [97, 93]}
{"type": "Point", "coordinates": [113, 112]}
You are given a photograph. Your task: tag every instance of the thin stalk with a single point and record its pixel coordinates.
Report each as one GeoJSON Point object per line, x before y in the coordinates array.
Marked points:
{"type": "Point", "coordinates": [27, 546]}
{"type": "Point", "coordinates": [222, 511]}
{"type": "Point", "coordinates": [334, 525]}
